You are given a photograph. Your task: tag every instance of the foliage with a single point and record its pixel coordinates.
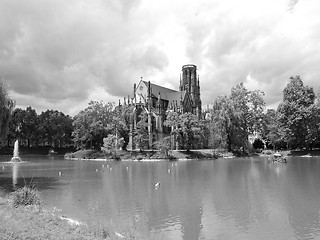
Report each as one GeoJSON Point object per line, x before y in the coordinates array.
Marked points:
{"type": "Point", "coordinates": [51, 126]}
{"type": "Point", "coordinates": [91, 124]}
{"type": "Point", "coordinates": [141, 137]}
{"type": "Point", "coordinates": [164, 145]}
{"type": "Point", "coordinates": [223, 116]}
{"type": "Point", "coordinates": [122, 117]}
{"type": "Point", "coordinates": [185, 127]}
{"type": "Point", "coordinates": [25, 196]}
{"type": "Point", "coordinates": [6, 107]}
{"type": "Point", "coordinates": [298, 115]}
{"type": "Point", "coordinates": [235, 117]}
{"type": "Point", "coordinates": [270, 130]}
{"type": "Point", "coordinates": [24, 125]}
{"type": "Point", "coordinates": [111, 142]}
{"type": "Point", "coordinates": [258, 144]}
{"type": "Point", "coordinates": [55, 127]}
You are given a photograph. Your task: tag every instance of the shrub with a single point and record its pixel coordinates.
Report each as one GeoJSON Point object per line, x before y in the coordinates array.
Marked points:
{"type": "Point", "coordinates": [258, 144]}
{"type": "Point", "coordinates": [25, 196]}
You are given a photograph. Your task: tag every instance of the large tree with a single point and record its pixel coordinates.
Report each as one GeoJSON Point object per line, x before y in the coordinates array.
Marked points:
{"type": "Point", "coordinates": [223, 118]}
{"type": "Point", "coordinates": [120, 124]}
{"type": "Point", "coordinates": [186, 128]}
{"type": "Point", "coordinates": [236, 116]}
{"type": "Point", "coordinates": [6, 107]}
{"type": "Point", "coordinates": [29, 125]}
{"type": "Point", "coordinates": [55, 128]}
{"type": "Point", "coordinates": [91, 125]}
{"type": "Point", "coordinates": [298, 114]}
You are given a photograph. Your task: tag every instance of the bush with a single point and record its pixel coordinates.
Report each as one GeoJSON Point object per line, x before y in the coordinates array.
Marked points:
{"type": "Point", "coordinates": [25, 196]}
{"type": "Point", "coordinates": [258, 144]}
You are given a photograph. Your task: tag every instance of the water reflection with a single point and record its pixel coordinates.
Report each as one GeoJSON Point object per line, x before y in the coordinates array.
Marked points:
{"type": "Point", "coordinates": [224, 199]}
{"type": "Point", "coordinates": [15, 172]}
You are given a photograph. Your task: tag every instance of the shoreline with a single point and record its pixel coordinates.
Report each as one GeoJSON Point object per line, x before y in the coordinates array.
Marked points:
{"type": "Point", "coordinates": [38, 222]}
{"type": "Point", "coordinates": [135, 160]}
{"type": "Point", "coordinates": [144, 156]}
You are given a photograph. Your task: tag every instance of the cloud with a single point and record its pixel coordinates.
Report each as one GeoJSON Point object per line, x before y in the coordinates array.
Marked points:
{"type": "Point", "coordinates": [58, 54]}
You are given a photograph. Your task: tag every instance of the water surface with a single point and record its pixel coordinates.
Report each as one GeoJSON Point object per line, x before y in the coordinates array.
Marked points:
{"type": "Point", "coordinates": [240, 198]}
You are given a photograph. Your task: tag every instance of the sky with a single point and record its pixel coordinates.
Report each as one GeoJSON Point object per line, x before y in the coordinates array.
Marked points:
{"type": "Point", "coordinates": [58, 54]}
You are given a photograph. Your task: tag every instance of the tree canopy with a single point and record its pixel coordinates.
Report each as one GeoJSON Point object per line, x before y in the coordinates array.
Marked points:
{"type": "Point", "coordinates": [185, 127]}
{"type": "Point", "coordinates": [6, 107]}
{"type": "Point", "coordinates": [92, 124]}
{"type": "Point", "coordinates": [235, 117]}
{"type": "Point", "coordinates": [298, 115]}
{"type": "Point", "coordinates": [51, 127]}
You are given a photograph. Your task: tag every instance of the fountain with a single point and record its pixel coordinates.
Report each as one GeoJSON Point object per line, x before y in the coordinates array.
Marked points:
{"type": "Point", "coordinates": [16, 157]}
{"type": "Point", "coordinates": [15, 174]}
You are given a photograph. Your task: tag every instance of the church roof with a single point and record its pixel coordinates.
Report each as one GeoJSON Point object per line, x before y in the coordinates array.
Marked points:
{"type": "Point", "coordinates": [172, 96]}
{"type": "Point", "coordinates": [166, 93]}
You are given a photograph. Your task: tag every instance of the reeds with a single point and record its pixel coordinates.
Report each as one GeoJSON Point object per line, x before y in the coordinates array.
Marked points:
{"type": "Point", "coordinates": [25, 196]}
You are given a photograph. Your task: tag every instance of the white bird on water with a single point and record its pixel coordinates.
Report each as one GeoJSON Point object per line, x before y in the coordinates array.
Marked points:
{"type": "Point", "coordinates": [157, 185]}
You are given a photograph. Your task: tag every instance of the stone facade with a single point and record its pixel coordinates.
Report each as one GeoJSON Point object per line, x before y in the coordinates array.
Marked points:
{"type": "Point", "coordinates": [157, 101]}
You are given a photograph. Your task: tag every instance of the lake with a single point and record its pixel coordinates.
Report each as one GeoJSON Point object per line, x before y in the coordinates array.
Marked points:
{"type": "Point", "coordinates": [239, 198]}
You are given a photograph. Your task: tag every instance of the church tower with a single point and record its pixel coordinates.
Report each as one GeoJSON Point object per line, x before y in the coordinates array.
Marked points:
{"type": "Point", "coordinates": [190, 87]}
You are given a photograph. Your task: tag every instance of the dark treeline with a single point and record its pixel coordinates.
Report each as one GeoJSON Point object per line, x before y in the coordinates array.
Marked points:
{"type": "Point", "coordinates": [238, 121]}
{"type": "Point", "coordinates": [50, 128]}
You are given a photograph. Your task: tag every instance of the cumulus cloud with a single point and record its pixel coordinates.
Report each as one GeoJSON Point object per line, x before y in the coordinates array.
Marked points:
{"type": "Point", "coordinates": [60, 54]}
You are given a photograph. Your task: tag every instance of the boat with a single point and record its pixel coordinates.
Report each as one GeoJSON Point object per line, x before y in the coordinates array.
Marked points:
{"type": "Point", "coordinates": [52, 152]}
{"type": "Point", "coordinates": [278, 158]}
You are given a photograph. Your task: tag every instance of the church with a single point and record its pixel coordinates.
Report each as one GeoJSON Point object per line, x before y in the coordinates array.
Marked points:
{"type": "Point", "coordinates": [158, 101]}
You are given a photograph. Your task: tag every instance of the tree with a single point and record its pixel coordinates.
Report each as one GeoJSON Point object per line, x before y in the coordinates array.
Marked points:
{"type": "Point", "coordinates": [122, 117]}
{"type": "Point", "coordinates": [51, 126]}
{"type": "Point", "coordinates": [55, 128]}
{"type": "Point", "coordinates": [202, 132]}
{"type": "Point", "coordinates": [141, 137]}
{"type": "Point", "coordinates": [270, 129]}
{"type": "Point", "coordinates": [24, 125]}
{"type": "Point", "coordinates": [6, 107]}
{"type": "Point", "coordinates": [92, 124]}
{"type": "Point", "coordinates": [185, 128]}
{"type": "Point", "coordinates": [109, 143]}
{"type": "Point", "coordinates": [15, 125]}
{"type": "Point", "coordinates": [248, 107]}
{"type": "Point", "coordinates": [222, 124]}
{"type": "Point", "coordinates": [235, 117]}
{"type": "Point", "coordinates": [164, 145]}
{"type": "Point", "coordinates": [29, 125]}
{"type": "Point", "coordinates": [298, 114]}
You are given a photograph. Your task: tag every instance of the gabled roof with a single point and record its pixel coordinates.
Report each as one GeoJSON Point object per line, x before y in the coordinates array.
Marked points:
{"type": "Point", "coordinates": [166, 93]}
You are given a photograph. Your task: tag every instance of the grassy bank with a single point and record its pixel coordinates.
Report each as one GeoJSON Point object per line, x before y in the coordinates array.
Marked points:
{"type": "Point", "coordinates": [33, 221]}
{"type": "Point", "coordinates": [142, 155]}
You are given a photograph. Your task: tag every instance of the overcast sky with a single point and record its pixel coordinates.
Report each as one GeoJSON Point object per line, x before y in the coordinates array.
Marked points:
{"type": "Point", "coordinates": [60, 54]}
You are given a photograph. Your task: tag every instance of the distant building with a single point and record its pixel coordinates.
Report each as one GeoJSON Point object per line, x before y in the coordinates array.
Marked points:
{"type": "Point", "coordinates": [158, 101]}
